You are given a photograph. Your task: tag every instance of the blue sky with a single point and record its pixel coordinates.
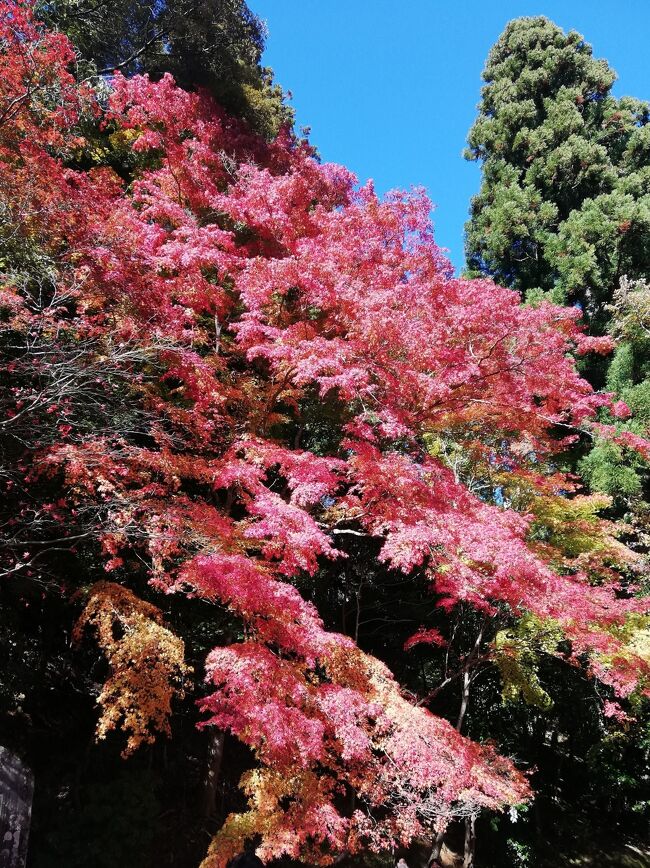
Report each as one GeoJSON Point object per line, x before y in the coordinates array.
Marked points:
{"type": "Point", "coordinates": [390, 89]}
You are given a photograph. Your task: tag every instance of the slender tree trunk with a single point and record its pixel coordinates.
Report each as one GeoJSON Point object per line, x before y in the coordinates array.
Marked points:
{"type": "Point", "coordinates": [437, 847]}
{"type": "Point", "coordinates": [470, 822]}
{"type": "Point", "coordinates": [470, 842]}
{"type": "Point", "coordinates": [464, 700]}
{"type": "Point", "coordinates": [439, 839]}
{"type": "Point", "coordinates": [217, 333]}
{"type": "Point", "coordinates": [212, 771]}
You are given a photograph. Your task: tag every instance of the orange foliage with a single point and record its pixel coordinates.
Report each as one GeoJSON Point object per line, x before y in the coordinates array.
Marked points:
{"type": "Point", "coordinates": [146, 661]}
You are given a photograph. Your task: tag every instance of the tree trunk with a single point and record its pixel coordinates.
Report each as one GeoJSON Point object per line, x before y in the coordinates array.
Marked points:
{"type": "Point", "coordinates": [464, 702]}
{"type": "Point", "coordinates": [470, 835]}
{"type": "Point", "coordinates": [470, 842]}
{"type": "Point", "coordinates": [437, 847]}
{"type": "Point", "coordinates": [213, 770]}
{"type": "Point", "coordinates": [16, 792]}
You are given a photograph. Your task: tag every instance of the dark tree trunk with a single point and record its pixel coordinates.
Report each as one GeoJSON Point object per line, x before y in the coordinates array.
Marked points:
{"type": "Point", "coordinates": [213, 771]}
{"type": "Point", "coordinates": [437, 847]}
{"type": "Point", "coordinates": [470, 842]}
{"type": "Point", "coordinates": [16, 792]}
{"type": "Point", "coordinates": [470, 822]}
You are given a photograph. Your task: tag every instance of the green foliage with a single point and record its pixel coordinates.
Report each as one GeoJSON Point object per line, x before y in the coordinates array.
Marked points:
{"type": "Point", "coordinates": [621, 369]}
{"type": "Point", "coordinates": [570, 526]}
{"type": "Point", "coordinates": [607, 467]}
{"type": "Point", "coordinates": [521, 853]}
{"type": "Point", "coordinates": [563, 207]}
{"type": "Point", "coordinates": [607, 237]}
{"type": "Point", "coordinates": [516, 653]}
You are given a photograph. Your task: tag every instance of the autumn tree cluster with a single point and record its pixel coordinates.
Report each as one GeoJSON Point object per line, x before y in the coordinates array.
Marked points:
{"type": "Point", "coordinates": [289, 510]}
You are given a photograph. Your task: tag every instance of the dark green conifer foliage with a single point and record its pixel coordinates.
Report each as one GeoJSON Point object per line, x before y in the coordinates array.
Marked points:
{"type": "Point", "coordinates": [564, 205]}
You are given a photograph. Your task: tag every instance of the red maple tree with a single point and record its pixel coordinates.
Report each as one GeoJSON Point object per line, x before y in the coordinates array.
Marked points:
{"type": "Point", "coordinates": [227, 286]}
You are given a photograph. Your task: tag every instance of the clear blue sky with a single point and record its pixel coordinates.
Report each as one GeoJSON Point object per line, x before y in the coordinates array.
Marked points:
{"type": "Point", "coordinates": [390, 89]}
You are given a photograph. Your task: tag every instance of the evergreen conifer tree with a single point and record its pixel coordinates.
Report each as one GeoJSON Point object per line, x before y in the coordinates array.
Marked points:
{"type": "Point", "coordinates": [564, 205]}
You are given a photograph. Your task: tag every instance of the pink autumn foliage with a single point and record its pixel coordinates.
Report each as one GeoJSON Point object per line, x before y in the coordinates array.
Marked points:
{"type": "Point", "coordinates": [620, 410]}
{"type": "Point", "coordinates": [614, 710]}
